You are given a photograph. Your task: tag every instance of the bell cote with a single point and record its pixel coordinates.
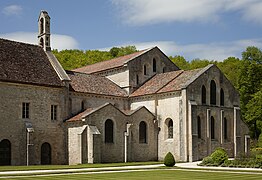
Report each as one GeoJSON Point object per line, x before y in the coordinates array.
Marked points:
{"type": "Point", "coordinates": [44, 30]}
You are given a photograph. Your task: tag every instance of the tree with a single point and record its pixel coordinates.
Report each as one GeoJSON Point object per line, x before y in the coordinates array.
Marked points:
{"type": "Point", "coordinates": [249, 83]}
{"type": "Point", "coordinates": [180, 61]}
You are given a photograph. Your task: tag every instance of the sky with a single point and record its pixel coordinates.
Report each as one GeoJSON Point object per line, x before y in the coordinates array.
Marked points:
{"type": "Point", "coordinates": [204, 29]}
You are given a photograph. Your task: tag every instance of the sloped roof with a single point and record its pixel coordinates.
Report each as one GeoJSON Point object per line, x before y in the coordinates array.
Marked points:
{"type": "Point", "coordinates": [89, 83]}
{"type": "Point", "coordinates": [168, 82]}
{"type": "Point", "coordinates": [90, 111]}
{"type": "Point", "coordinates": [109, 64]}
{"type": "Point", "coordinates": [26, 63]}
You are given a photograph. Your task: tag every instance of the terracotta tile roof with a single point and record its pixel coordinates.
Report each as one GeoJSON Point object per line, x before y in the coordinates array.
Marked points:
{"type": "Point", "coordinates": [26, 63]}
{"type": "Point", "coordinates": [89, 111]}
{"type": "Point", "coordinates": [109, 64]}
{"type": "Point", "coordinates": [181, 81]}
{"type": "Point", "coordinates": [156, 83]}
{"type": "Point", "coordinates": [167, 82]}
{"type": "Point", "coordinates": [81, 115]}
{"type": "Point", "coordinates": [89, 83]}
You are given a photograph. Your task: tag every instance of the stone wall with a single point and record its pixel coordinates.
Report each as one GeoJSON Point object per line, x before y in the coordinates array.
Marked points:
{"type": "Point", "coordinates": [13, 128]}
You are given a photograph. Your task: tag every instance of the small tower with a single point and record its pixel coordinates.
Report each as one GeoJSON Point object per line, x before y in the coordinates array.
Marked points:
{"type": "Point", "coordinates": [44, 30]}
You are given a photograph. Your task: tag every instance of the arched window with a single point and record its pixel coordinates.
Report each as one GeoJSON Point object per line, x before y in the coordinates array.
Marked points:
{"type": "Point", "coordinates": [5, 153]}
{"type": "Point", "coordinates": [154, 65]}
{"type": "Point", "coordinates": [41, 25]}
{"type": "Point", "coordinates": [109, 131]}
{"type": "Point", "coordinates": [212, 128]}
{"type": "Point", "coordinates": [145, 70]}
{"type": "Point", "coordinates": [170, 129]}
{"type": "Point", "coordinates": [225, 128]}
{"type": "Point", "coordinates": [45, 154]}
{"type": "Point", "coordinates": [213, 92]}
{"type": "Point", "coordinates": [142, 132]}
{"type": "Point", "coordinates": [203, 96]}
{"type": "Point", "coordinates": [70, 106]}
{"type": "Point", "coordinates": [198, 127]}
{"type": "Point", "coordinates": [222, 100]}
{"type": "Point", "coordinates": [83, 105]}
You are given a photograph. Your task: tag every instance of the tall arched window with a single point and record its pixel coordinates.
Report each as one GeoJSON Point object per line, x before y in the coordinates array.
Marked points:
{"type": "Point", "coordinates": [145, 70]}
{"type": "Point", "coordinates": [164, 69]}
{"type": "Point", "coordinates": [45, 154]}
{"type": "Point", "coordinates": [109, 131]}
{"type": "Point", "coordinates": [70, 106]}
{"type": "Point", "coordinates": [213, 92]}
{"type": "Point", "coordinates": [83, 105]}
{"type": "Point", "coordinates": [170, 129]}
{"type": "Point", "coordinates": [142, 132]}
{"type": "Point", "coordinates": [154, 65]}
{"type": "Point", "coordinates": [203, 96]}
{"type": "Point", "coordinates": [5, 153]}
{"type": "Point", "coordinates": [222, 100]}
{"type": "Point", "coordinates": [225, 128]}
{"type": "Point", "coordinates": [198, 127]}
{"type": "Point", "coordinates": [212, 128]}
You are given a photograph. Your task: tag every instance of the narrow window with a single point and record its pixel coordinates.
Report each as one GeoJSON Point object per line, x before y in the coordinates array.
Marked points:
{"type": "Point", "coordinates": [109, 131]}
{"type": "Point", "coordinates": [222, 101]}
{"type": "Point", "coordinates": [225, 128]}
{"type": "Point", "coordinates": [213, 92]}
{"type": "Point", "coordinates": [170, 129]}
{"type": "Point", "coordinates": [70, 106]}
{"type": "Point", "coordinates": [145, 73]}
{"type": "Point", "coordinates": [164, 69]}
{"type": "Point", "coordinates": [42, 42]}
{"type": "Point", "coordinates": [53, 112]}
{"type": "Point", "coordinates": [212, 127]}
{"type": "Point", "coordinates": [137, 79]}
{"type": "Point", "coordinates": [198, 127]}
{"type": "Point", "coordinates": [83, 105]}
{"type": "Point", "coordinates": [154, 65]}
{"type": "Point", "coordinates": [25, 110]}
{"type": "Point", "coordinates": [203, 95]}
{"type": "Point", "coordinates": [142, 132]}
{"type": "Point", "coordinates": [5, 153]}
{"type": "Point", "coordinates": [41, 25]}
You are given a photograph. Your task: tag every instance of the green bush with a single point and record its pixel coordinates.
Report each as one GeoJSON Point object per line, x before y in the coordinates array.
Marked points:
{"type": "Point", "coordinates": [259, 142]}
{"type": "Point", "coordinates": [219, 156]}
{"type": "Point", "coordinates": [207, 160]}
{"type": "Point", "coordinates": [169, 160]}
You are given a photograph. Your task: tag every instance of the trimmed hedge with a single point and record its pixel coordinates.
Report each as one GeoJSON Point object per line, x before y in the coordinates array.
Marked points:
{"type": "Point", "coordinates": [169, 160]}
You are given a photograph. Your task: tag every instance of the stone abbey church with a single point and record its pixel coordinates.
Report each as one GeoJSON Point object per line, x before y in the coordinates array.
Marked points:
{"type": "Point", "coordinates": [136, 107]}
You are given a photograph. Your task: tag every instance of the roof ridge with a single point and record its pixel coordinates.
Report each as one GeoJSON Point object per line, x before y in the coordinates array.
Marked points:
{"type": "Point", "coordinates": [171, 79]}
{"type": "Point", "coordinates": [20, 42]}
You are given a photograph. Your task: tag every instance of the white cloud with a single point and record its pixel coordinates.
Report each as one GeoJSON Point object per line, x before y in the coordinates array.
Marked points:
{"type": "Point", "coordinates": [211, 51]}
{"type": "Point", "coordinates": [12, 10]}
{"type": "Point", "coordinates": [141, 12]}
{"type": "Point", "coordinates": [58, 41]}
{"type": "Point", "coordinates": [254, 13]}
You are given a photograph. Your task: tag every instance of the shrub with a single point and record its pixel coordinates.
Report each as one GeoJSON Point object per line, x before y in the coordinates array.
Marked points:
{"type": "Point", "coordinates": [207, 160]}
{"type": "Point", "coordinates": [169, 160]}
{"type": "Point", "coordinates": [219, 156]}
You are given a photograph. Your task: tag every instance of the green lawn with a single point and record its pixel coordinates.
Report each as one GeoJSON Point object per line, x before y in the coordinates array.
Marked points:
{"type": "Point", "coordinates": [154, 174]}
{"type": "Point", "coordinates": [41, 167]}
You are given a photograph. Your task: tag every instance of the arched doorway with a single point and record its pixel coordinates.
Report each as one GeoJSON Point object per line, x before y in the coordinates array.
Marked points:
{"type": "Point", "coordinates": [5, 153]}
{"type": "Point", "coordinates": [45, 154]}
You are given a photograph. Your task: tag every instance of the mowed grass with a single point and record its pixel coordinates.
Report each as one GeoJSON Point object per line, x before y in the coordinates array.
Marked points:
{"type": "Point", "coordinates": [153, 174]}
{"type": "Point", "coordinates": [50, 167]}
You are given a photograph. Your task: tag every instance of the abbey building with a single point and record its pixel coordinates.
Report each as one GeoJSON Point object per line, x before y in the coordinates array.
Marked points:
{"type": "Point", "coordinates": [132, 108]}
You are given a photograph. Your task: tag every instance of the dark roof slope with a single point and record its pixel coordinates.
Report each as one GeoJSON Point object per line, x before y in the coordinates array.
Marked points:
{"type": "Point", "coordinates": [88, 83]}
{"type": "Point", "coordinates": [167, 82]}
{"type": "Point", "coordinates": [109, 64]}
{"type": "Point", "coordinates": [26, 63]}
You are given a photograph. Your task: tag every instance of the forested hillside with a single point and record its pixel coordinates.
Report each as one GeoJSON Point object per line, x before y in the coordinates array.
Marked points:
{"type": "Point", "coordinates": [245, 74]}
